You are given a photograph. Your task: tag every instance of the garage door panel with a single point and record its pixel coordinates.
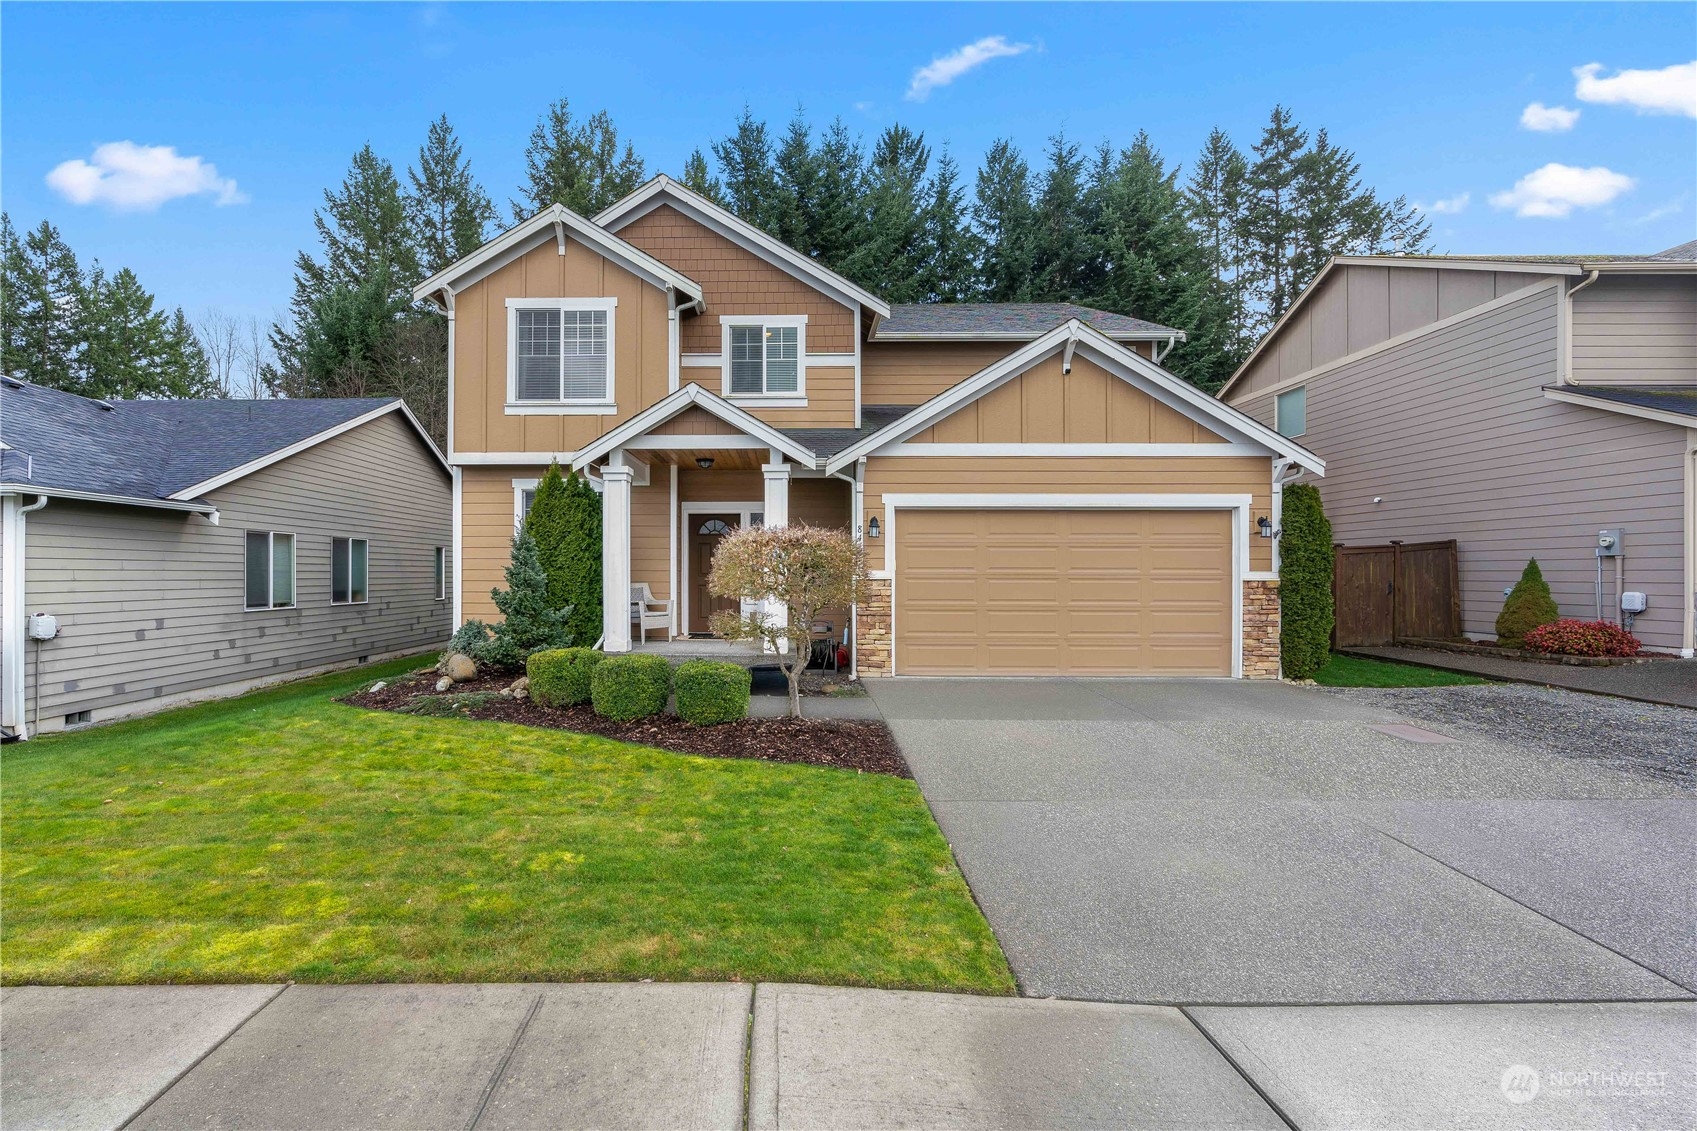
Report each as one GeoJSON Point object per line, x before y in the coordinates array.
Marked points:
{"type": "Point", "coordinates": [1089, 592]}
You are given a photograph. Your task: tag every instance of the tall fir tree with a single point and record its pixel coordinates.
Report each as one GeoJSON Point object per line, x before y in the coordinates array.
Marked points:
{"type": "Point", "coordinates": [749, 179]}
{"type": "Point", "coordinates": [1005, 223]}
{"type": "Point", "coordinates": [795, 190]}
{"type": "Point", "coordinates": [889, 260]}
{"type": "Point", "coordinates": [838, 222]}
{"type": "Point", "coordinates": [46, 339]}
{"type": "Point", "coordinates": [127, 350]}
{"type": "Point", "coordinates": [1061, 228]}
{"type": "Point", "coordinates": [449, 212]}
{"type": "Point", "coordinates": [951, 246]}
{"type": "Point", "coordinates": [583, 167]}
{"type": "Point", "coordinates": [697, 177]}
{"type": "Point", "coordinates": [1216, 194]}
{"type": "Point", "coordinates": [1273, 216]}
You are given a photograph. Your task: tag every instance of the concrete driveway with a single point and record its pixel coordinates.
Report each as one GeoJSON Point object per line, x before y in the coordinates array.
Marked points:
{"type": "Point", "coordinates": [1217, 842]}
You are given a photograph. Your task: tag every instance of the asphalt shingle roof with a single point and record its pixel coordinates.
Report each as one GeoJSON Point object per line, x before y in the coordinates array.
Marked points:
{"type": "Point", "coordinates": [1005, 320]}
{"type": "Point", "coordinates": [1682, 253]}
{"type": "Point", "coordinates": [827, 442]}
{"type": "Point", "coordinates": [149, 449]}
{"type": "Point", "coordinates": [1662, 398]}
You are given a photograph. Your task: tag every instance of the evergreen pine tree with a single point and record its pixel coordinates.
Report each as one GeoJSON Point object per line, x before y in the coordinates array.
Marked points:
{"type": "Point", "coordinates": [579, 562]}
{"type": "Point", "coordinates": [890, 258]}
{"type": "Point", "coordinates": [698, 178]}
{"type": "Point", "coordinates": [12, 265]}
{"type": "Point", "coordinates": [1005, 221]}
{"type": "Point", "coordinates": [1216, 193]}
{"type": "Point", "coordinates": [950, 250]}
{"type": "Point", "coordinates": [795, 173]}
{"type": "Point", "coordinates": [187, 371]}
{"type": "Point", "coordinates": [580, 166]}
{"type": "Point", "coordinates": [838, 222]}
{"type": "Point", "coordinates": [750, 182]}
{"type": "Point", "coordinates": [1061, 234]}
{"type": "Point", "coordinates": [1273, 216]}
{"type": "Point", "coordinates": [126, 351]}
{"type": "Point", "coordinates": [46, 334]}
{"type": "Point", "coordinates": [449, 212]}
{"type": "Point", "coordinates": [529, 623]}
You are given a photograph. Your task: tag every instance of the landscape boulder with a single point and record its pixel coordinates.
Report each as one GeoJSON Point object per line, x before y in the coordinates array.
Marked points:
{"type": "Point", "coordinates": [459, 667]}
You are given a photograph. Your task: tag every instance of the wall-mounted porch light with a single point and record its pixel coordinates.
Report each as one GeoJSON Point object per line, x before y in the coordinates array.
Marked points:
{"type": "Point", "coordinates": [704, 462]}
{"type": "Point", "coordinates": [1265, 525]}
{"type": "Point", "coordinates": [873, 530]}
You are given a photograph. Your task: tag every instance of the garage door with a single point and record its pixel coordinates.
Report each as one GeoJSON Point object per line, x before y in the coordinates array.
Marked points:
{"type": "Point", "coordinates": [1086, 592]}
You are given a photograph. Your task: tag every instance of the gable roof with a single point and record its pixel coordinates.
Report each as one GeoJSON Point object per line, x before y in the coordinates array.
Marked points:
{"type": "Point", "coordinates": [160, 453]}
{"type": "Point", "coordinates": [663, 190]}
{"type": "Point", "coordinates": [1117, 359]}
{"type": "Point", "coordinates": [1003, 321]}
{"type": "Point", "coordinates": [554, 220]}
{"type": "Point", "coordinates": [669, 406]}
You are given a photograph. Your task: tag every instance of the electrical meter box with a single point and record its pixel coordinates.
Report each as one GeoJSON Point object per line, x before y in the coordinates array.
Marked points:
{"type": "Point", "coordinates": [1609, 543]}
{"type": "Point", "coordinates": [1633, 601]}
{"type": "Point", "coordinates": [43, 626]}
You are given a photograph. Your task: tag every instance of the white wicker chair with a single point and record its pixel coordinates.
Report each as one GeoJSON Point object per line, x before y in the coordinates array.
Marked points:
{"type": "Point", "coordinates": [647, 611]}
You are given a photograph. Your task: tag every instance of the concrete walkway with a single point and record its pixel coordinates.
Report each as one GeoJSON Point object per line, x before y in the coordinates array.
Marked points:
{"type": "Point", "coordinates": [1227, 842]}
{"type": "Point", "coordinates": [1673, 682]}
{"type": "Point", "coordinates": [777, 1056]}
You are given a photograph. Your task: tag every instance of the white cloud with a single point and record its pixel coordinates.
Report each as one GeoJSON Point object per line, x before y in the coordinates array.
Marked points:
{"type": "Point", "coordinates": [1548, 119]}
{"type": "Point", "coordinates": [945, 69]}
{"type": "Point", "coordinates": [1448, 206]}
{"type": "Point", "coordinates": [139, 178]}
{"type": "Point", "coordinates": [1671, 90]}
{"type": "Point", "coordinates": [1555, 190]}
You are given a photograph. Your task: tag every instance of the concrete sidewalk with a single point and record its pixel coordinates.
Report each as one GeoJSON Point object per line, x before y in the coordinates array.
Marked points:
{"type": "Point", "coordinates": [674, 1056]}
{"type": "Point", "coordinates": [1673, 682]}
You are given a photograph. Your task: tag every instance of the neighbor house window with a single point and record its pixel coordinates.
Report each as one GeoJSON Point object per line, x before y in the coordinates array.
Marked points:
{"type": "Point", "coordinates": [270, 570]}
{"type": "Point", "coordinates": [1290, 411]}
{"type": "Point", "coordinates": [763, 357]}
{"type": "Point", "coordinates": [349, 566]}
{"type": "Point", "coordinates": [561, 352]}
{"type": "Point", "coordinates": [441, 573]}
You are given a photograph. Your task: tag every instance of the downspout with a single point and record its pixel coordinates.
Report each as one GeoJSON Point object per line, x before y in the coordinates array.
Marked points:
{"type": "Point", "coordinates": [1567, 328]}
{"type": "Point", "coordinates": [1285, 471]}
{"type": "Point", "coordinates": [1172, 340]}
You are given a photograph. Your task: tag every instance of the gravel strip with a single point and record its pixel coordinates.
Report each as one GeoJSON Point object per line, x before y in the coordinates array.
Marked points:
{"type": "Point", "coordinates": [1641, 738]}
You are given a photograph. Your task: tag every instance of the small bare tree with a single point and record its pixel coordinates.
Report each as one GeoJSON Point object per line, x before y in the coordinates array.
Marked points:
{"type": "Point", "coordinates": [804, 569]}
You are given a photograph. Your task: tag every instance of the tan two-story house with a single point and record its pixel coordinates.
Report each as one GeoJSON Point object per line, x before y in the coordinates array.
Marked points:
{"type": "Point", "coordinates": [1036, 495]}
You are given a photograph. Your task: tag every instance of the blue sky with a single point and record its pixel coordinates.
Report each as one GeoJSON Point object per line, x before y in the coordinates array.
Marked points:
{"type": "Point", "coordinates": [277, 97]}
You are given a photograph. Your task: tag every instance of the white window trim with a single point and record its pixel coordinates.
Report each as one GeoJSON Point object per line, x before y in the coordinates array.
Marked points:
{"type": "Point", "coordinates": [579, 406]}
{"type": "Point", "coordinates": [1277, 397]}
{"type": "Point", "coordinates": [520, 486]}
{"type": "Point", "coordinates": [270, 571]}
{"type": "Point", "coordinates": [350, 540]}
{"type": "Point", "coordinates": [1238, 505]}
{"type": "Point", "coordinates": [439, 566]}
{"type": "Point", "coordinates": [796, 399]}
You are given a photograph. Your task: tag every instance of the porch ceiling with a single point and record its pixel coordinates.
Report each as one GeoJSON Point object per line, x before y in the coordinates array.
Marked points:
{"type": "Point", "coordinates": [724, 459]}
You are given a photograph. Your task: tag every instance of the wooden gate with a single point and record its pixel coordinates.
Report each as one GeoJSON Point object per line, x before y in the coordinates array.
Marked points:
{"type": "Point", "coordinates": [1400, 591]}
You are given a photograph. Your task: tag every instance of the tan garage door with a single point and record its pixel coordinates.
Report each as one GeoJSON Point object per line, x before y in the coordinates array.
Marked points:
{"type": "Point", "coordinates": [1086, 592]}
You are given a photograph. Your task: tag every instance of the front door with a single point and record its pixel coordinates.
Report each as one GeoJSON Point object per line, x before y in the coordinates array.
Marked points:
{"type": "Point", "coordinates": [705, 531]}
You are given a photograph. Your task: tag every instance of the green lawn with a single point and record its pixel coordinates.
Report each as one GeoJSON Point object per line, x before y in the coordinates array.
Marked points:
{"type": "Point", "coordinates": [1357, 671]}
{"type": "Point", "coordinates": [285, 836]}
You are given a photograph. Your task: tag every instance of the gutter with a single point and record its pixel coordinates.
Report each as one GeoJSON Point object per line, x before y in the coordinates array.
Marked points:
{"type": "Point", "coordinates": [208, 509]}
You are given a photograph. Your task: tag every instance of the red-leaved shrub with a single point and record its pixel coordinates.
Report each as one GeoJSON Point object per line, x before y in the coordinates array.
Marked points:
{"type": "Point", "coordinates": [1582, 638]}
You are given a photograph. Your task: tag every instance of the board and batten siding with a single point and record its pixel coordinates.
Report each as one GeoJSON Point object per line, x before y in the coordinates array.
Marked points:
{"type": "Point", "coordinates": [1636, 330]}
{"type": "Point", "coordinates": [1451, 431]}
{"type": "Point", "coordinates": [150, 602]}
{"type": "Point", "coordinates": [912, 373]}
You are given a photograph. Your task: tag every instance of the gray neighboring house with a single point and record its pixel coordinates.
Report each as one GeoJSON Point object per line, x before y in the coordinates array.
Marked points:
{"type": "Point", "coordinates": [190, 549]}
{"type": "Point", "coordinates": [1518, 404]}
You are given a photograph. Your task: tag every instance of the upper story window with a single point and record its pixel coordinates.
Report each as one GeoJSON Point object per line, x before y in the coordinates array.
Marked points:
{"type": "Point", "coordinates": [1290, 411]}
{"type": "Point", "coordinates": [764, 355]}
{"type": "Point", "coordinates": [560, 353]}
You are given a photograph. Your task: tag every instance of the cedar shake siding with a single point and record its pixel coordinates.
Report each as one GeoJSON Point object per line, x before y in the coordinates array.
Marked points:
{"type": "Point", "coordinates": [1452, 432]}
{"type": "Point", "coordinates": [1636, 330]}
{"type": "Point", "coordinates": [1361, 305]}
{"type": "Point", "coordinates": [150, 602]}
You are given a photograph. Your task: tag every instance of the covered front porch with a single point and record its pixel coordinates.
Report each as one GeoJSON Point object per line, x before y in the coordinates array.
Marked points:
{"type": "Point", "coordinates": [677, 480]}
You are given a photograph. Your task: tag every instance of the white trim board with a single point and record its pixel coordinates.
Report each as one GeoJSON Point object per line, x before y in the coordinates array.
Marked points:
{"type": "Point", "coordinates": [1640, 411]}
{"type": "Point", "coordinates": [663, 190]}
{"type": "Point", "coordinates": [1239, 505]}
{"type": "Point", "coordinates": [674, 403]}
{"type": "Point", "coordinates": [1071, 451]}
{"type": "Point", "coordinates": [312, 441]}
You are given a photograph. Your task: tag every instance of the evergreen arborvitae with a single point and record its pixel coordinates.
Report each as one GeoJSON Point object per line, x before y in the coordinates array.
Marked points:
{"type": "Point", "coordinates": [579, 563]}
{"type": "Point", "coordinates": [1527, 606]}
{"type": "Point", "coordinates": [1306, 611]}
{"type": "Point", "coordinates": [529, 624]}
{"type": "Point", "coordinates": [549, 523]}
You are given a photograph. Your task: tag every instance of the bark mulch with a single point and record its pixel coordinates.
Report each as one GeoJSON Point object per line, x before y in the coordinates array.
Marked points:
{"type": "Point", "coordinates": [848, 744]}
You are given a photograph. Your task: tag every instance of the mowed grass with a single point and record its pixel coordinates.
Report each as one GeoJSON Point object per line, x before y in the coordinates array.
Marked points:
{"type": "Point", "coordinates": [285, 836]}
{"type": "Point", "coordinates": [1358, 671]}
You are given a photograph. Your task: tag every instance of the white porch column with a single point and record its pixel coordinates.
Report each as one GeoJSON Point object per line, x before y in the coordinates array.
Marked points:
{"type": "Point", "coordinates": [777, 475]}
{"type": "Point", "coordinates": [615, 555]}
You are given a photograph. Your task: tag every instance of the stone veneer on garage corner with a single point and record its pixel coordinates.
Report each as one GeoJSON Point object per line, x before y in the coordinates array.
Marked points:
{"type": "Point", "coordinates": [1260, 629]}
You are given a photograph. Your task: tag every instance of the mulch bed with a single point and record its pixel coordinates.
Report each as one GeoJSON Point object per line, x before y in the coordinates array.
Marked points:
{"type": "Point", "coordinates": [840, 743]}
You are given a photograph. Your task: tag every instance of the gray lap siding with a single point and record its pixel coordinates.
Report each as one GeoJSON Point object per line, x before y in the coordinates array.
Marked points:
{"type": "Point", "coordinates": [150, 603]}
{"type": "Point", "coordinates": [1451, 431]}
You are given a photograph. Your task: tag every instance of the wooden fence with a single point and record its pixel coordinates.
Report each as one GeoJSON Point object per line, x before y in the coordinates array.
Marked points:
{"type": "Point", "coordinates": [1400, 591]}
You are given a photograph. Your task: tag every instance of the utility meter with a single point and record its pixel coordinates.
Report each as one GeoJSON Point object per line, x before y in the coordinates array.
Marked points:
{"type": "Point", "coordinates": [1633, 601]}
{"type": "Point", "coordinates": [1609, 543]}
{"type": "Point", "coordinates": [43, 626]}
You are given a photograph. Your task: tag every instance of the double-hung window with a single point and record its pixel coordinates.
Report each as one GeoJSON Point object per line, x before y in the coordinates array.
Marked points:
{"type": "Point", "coordinates": [764, 355]}
{"type": "Point", "coordinates": [270, 570]}
{"type": "Point", "coordinates": [560, 354]}
{"type": "Point", "coordinates": [350, 565]}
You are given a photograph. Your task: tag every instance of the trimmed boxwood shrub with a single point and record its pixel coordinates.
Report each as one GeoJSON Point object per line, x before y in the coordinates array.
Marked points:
{"type": "Point", "coordinates": [712, 691]}
{"type": "Point", "coordinates": [1305, 582]}
{"type": "Point", "coordinates": [631, 686]}
{"type": "Point", "coordinates": [1528, 605]}
{"type": "Point", "coordinates": [1582, 638]}
{"type": "Point", "coordinates": [560, 677]}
